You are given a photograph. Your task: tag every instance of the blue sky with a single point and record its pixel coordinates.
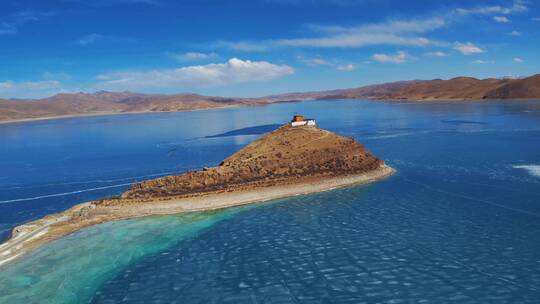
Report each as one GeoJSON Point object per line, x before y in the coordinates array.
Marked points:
{"type": "Point", "coordinates": [257, 47]}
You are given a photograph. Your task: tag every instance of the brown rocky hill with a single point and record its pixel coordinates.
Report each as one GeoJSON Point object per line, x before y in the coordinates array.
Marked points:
{"type": "Point", "coordinates": [58, 105]}
{"type": "Point", "coordinates": [181, 102]}
{"type": "Point", "coordinates": [288, 154]}
{"type": "Point", "coordinates": [459, 88]}
{"type": "Point", "coordinates": [376, 91]}
{"type": "Point", "coordinates": [112, 102]}
{"type": "Point", "coordinates": [456, 88]}
{"type": "Point", "coordinates": [528, 88]}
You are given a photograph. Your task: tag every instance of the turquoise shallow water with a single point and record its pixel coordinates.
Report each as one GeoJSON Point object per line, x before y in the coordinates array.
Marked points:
{"type": "Point", "coordinates": [71, 269]}
{"type": "Point", "coordinates": [458, 223]}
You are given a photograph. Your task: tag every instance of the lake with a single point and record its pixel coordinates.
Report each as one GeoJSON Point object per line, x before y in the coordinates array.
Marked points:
{"type": "Point", "coordinates": [458, 223]}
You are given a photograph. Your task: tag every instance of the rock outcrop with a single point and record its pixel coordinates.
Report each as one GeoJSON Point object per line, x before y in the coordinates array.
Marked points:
{"type": "Point", "coordinates": [286, 155]}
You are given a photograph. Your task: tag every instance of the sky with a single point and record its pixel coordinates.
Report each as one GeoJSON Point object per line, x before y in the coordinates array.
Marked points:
{"type": "Point", "coordinates": [258, 47]}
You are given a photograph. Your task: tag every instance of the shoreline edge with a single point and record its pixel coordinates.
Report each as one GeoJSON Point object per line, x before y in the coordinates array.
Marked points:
{"type": "Point", "coordinates": [33, 235]}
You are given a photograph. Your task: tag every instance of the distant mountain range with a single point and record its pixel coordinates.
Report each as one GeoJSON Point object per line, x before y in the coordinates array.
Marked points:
{"type": "Point", "coordinates": [103, 102]}
{"type": "Point", "coordinates": [460, 88]}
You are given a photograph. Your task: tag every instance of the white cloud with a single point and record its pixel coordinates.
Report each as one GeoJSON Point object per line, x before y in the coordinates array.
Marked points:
{"type": "Point", "coordinates": [29, 88]}
{"type": "Point", "coordinates": [501, 19]}
{"type": "Point", "coordinates": [536, 19]}
{"type": "Point", "coordinates": [392, 26]}
{"type": "Point", "coordinates": [89, 39]}
{"type": "Point", "coordinates": [105, 3]}
{"type": "Point", "coordinates": [515, 33]}
{"type": "Point", "coordinates": [11, 23]}
{"type": "Point", "coordinates": [7, 29]}
{"type": "Point", "coordinates": [355, 40]}
{"type": "Point", "coordinates": [518, 60]}
{"type": "Point", "coordinates": [56, 76]}
{"type": "Point", "coordinates": [518, 6]}
{"type": "Point", "coordinates": [480, 61]}
{"type": "Point", "coordinates": [467, 48]}
{"type": "Point", "coordinates": [216, 74]}
{"type": "Point", "coordinates": [243, 46]}
{"type": "Point", "coordinates": [315, 61]}
{"type": "Point", "coordinates": [337, 41]}
{"type": "Point", "coordinates": [392, 32]}
{"type": "Point", "coordinates": [192, 56]}
{"type": "Point", "coordinates": [343, 3]}
{"type": "Point", "coordinates": [95, 37]}
{"type": "Point", "coordinates": [151, 2]}
{"type": "Point", "coordinates": [346, 67]}
{"type": "Point", "coordinates": [399, 57]}
{"type": "Point", "coordinates": [395, 32]}
{"type": "Point", "coordinates": [437, 54]}
{"type": "Point", "coordinates": [29, 85]}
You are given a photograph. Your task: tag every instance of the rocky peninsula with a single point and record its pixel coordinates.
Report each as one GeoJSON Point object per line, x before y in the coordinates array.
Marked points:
{"type": "Point", "coordinates": [288, 161]}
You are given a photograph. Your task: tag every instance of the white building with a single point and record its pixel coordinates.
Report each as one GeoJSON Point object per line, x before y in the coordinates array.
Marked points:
{"type": "Point", "coordinates": [299, 120]}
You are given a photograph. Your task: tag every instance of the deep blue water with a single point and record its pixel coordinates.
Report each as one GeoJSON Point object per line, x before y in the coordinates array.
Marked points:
{"type": "Point", "coordinates": [459, 222]}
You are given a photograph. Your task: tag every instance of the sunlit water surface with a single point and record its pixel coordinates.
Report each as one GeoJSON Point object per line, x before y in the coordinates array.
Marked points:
{"type": "Point", "coordinates": [459, 223]}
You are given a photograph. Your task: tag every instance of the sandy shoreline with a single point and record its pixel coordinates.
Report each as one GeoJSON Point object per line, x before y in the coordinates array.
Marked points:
{"type": "Point", "coordinates": [33, 235]}
{"type": "Point", "coordinates": [432, 100]}
{"type": "Point", "coordinates": [98, 114]}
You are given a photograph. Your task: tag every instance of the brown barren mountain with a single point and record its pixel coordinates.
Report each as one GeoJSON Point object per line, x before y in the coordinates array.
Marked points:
{"type": "Point", "coordinates": [110, 103]}
{"type": "Point", "coordinates": [528, 88]}
{"type": "Point", "coordinates": [289, 161]}
{"type": "Point", "coordinates": [465, 88]}
{"type": "Point", "coordinates": [377, 91]}
{"type": "Point", "coordinates": [460, 88]}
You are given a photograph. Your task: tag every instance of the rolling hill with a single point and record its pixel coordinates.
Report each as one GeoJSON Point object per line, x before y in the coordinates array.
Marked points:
{"type": "Point", "coordinates": [459, 88]}
{"type": "Point", "coordinates": [103, 102]}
